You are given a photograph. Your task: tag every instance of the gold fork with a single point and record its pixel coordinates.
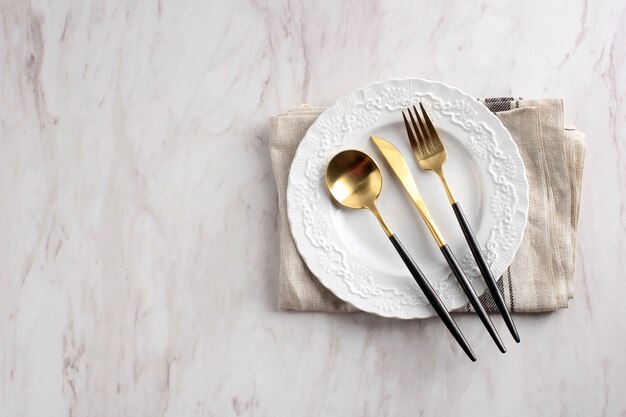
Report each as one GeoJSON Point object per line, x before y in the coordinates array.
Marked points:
{"type": "Point", "coordinates": [431, 155]}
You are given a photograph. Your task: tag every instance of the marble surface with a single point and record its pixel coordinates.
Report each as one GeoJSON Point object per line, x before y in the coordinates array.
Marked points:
{"type": "Point", "coordinates": [138, 236]}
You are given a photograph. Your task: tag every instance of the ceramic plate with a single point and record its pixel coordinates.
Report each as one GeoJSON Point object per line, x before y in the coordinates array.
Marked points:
{"type": "Point", "coordinates": [349, 252]}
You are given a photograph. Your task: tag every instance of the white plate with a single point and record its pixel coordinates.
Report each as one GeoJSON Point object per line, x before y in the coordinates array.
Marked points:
{"type": "Point", "coordinates": [349, 252]}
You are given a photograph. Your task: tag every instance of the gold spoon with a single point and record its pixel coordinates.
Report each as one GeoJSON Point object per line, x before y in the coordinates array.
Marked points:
{"type": "Point", "coordinates": [355, 181]}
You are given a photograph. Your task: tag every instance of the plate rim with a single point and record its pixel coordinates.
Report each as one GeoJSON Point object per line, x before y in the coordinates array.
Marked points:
{"type": "Point", "coordinates": [290, 183]}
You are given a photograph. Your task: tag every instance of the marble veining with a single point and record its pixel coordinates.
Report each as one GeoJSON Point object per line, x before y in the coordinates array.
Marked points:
{"type": "Point", "coordinates": [138, 233]}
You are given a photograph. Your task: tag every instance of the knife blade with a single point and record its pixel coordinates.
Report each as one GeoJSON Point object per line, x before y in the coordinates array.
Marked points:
{"type": "Point", "coordinates": [400, 168]}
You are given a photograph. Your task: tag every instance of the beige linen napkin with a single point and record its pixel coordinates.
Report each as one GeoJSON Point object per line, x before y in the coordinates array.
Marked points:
{"type": "Point", "coordinates": [541, 275]}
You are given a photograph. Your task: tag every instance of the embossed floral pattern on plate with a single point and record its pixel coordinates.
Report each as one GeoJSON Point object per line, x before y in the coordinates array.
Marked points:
{"type": "Point", "coordinates": [348, 276]}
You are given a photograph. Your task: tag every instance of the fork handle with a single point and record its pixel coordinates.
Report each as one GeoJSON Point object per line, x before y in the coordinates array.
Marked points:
{"type": "Point", "coordinates": [432, 297]}
{"type": "Point", "coordinates": [485, 270]}
{"type": "Point", "coordinates": [471, 294]}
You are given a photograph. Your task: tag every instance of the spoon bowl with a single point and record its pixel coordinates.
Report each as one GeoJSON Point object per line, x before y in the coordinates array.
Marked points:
{"type": "Point", "coordinates": [354, 180]}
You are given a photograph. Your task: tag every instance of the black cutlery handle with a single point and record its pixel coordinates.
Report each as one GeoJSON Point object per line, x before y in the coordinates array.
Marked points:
{"type": "Point", "coordinates": [471, 294]}
{"type": "Point", "coordinates": [432, 297]}
{"type": "Point", "coordinates": [485, 270]}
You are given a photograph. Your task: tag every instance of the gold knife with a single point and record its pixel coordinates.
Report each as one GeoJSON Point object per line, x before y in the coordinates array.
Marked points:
{"type": "Point", "coordinates": [398, 165]}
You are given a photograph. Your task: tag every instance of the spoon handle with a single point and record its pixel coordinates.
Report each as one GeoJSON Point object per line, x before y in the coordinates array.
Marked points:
{"type": "Point", "coordinates": [433, 298]}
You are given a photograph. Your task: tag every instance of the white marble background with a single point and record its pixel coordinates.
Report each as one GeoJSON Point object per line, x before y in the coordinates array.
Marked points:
{"type": "Point", "coordinates": [138, 237]}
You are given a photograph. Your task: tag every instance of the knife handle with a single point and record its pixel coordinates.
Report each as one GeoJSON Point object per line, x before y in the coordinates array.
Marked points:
{"type": "Point", "coordinates": [485, 270]}
{"type": "Point", "coordinates": [433, 298]}
{"type": "Point", "coordinates": [471, 294]}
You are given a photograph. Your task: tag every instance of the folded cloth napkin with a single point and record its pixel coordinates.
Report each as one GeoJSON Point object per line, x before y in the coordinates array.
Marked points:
{"type": "Point", "coordinates": [541, 276]}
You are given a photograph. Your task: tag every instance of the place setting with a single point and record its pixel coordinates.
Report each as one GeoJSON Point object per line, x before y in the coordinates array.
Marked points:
{"type": "Point", "coordinates": [410, 199]}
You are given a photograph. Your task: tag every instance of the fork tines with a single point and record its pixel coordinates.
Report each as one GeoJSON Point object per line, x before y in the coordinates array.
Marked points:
{"type": "Point", "coordinates": [423, 136]}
